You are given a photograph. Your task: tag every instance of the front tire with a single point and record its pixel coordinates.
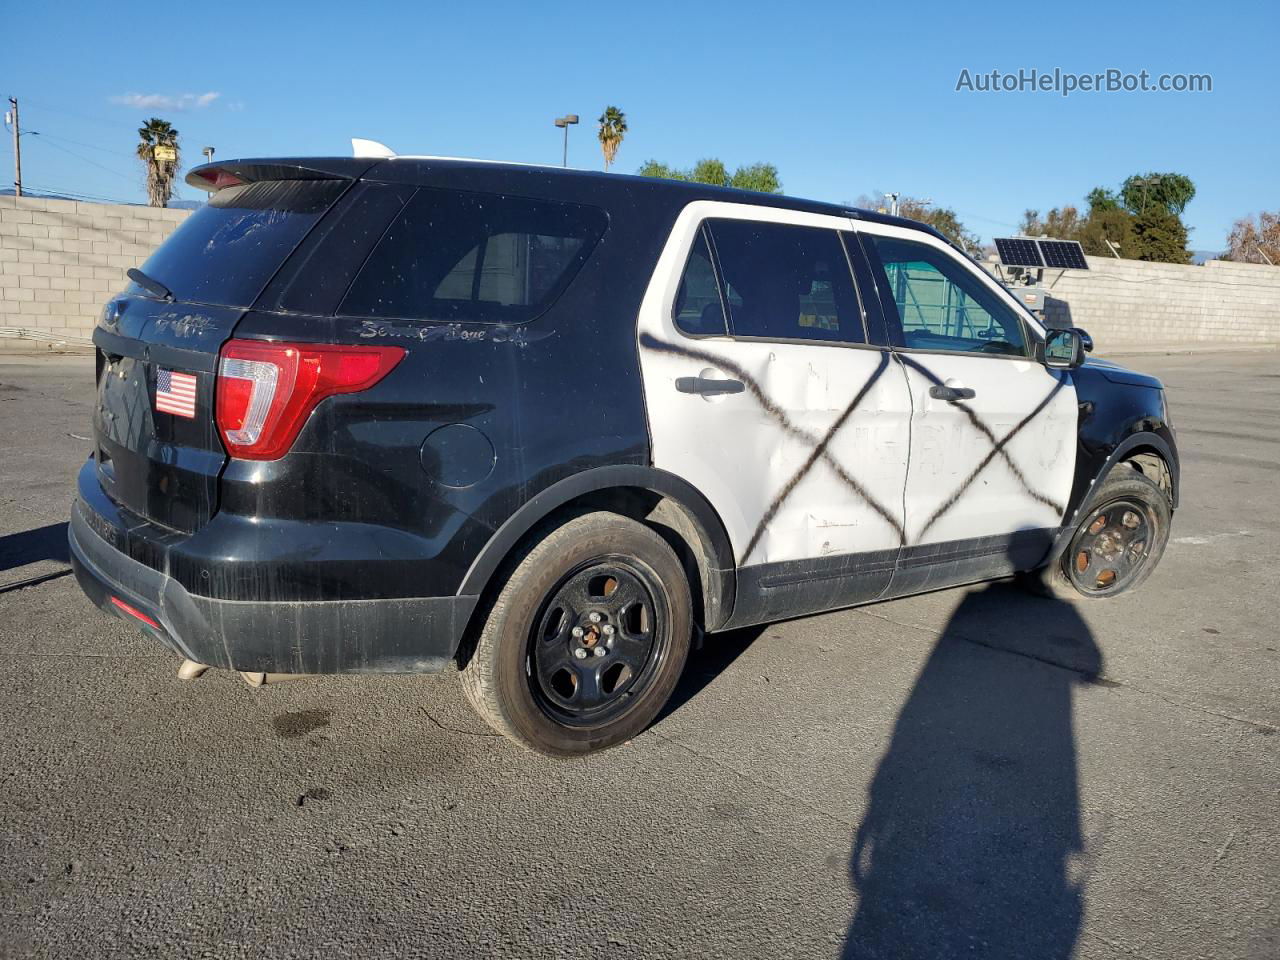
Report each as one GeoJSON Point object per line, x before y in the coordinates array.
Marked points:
{"type": "Point", "coordinates": [586, 639]}
{"type": "Point", "coordinates": [1117, 544]}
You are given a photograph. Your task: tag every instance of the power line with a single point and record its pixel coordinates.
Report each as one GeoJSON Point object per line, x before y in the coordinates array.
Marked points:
{"type": "Point", "coordinates": [92, 163]}
{"type": "Point", "coordinates": [91, 146]}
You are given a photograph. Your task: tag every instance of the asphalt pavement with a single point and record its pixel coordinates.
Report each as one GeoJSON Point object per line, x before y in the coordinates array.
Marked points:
{"type": "Point", "coordinates": [974, 772]}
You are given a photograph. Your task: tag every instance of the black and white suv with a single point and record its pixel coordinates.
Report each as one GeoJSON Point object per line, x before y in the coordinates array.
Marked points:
{"type": "Point", "coordinates": [384, 415]}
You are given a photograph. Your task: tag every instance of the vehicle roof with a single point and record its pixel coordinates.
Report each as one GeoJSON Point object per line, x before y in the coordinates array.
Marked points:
{"type": "Point", "coordinates": [527, 177]}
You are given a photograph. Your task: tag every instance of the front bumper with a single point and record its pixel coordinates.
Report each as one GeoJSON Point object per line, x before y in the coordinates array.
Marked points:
{"type": "Point", "coordinates": [396, 635]}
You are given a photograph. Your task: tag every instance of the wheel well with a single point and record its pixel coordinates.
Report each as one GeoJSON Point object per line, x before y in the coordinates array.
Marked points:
{"type": "Point", "coordinates": [1152, 466]}
{"type": "Point", "coordinates": [672, 521]}
{"type": "Point", "coordinates": [666, 516]}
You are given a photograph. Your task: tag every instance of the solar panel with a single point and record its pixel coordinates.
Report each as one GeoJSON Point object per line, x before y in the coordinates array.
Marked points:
{"type": "Point", "coordinates": [1018, 252]}
{"type": "Point", "coordinates": [1063, 254]}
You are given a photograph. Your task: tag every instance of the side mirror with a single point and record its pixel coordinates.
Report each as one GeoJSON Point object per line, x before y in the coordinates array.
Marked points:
{"type": "Point", "coordinates": [1062, 349]}
{"type": "Point", "coordinates": [1088, 340]}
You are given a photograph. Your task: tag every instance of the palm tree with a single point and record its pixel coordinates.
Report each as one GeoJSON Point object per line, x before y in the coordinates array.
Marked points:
{"type": "Point", "coordinates": [158, 151]}
{"type": "Point", "coordinates": [613, 127]}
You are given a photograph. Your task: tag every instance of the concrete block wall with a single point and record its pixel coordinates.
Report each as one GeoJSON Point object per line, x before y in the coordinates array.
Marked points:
{"type": "Point", "coordinates": [60, 260]}
{"type": "Point", "coordinates": [1128, 303]}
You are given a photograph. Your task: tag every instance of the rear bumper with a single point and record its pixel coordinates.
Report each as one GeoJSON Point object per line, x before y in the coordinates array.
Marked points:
{"type": "Point", "coordinates": [400, 635]}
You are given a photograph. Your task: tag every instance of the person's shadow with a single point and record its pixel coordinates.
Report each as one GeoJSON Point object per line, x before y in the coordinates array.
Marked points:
{"type": "Point", "coordinates": [971, 844]}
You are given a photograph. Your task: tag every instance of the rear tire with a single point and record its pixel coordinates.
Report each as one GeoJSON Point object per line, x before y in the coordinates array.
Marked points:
{"type": "Point", "coordinates": [585, 640]}
{"type": "Point", "coordinates": [1115, 547]}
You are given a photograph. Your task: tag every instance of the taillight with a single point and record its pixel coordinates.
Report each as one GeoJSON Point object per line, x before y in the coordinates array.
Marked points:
{"type": "Point", "coordinates": [266, 391]}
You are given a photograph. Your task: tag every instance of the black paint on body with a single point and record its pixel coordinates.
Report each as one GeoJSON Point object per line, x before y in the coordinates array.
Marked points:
{"type": "Point", "coordinates": [359, 550]}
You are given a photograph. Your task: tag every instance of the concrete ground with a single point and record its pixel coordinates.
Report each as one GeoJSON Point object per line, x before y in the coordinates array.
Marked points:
{"type": "Point", "coordinates": [969, 773]}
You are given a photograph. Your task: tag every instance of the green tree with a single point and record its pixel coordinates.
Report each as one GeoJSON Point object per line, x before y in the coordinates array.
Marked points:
{"type": "Point", "coordinates": [1167, 191]}
{"type": "Point", "coordinates": [1158, 235]}
{"type": "Point", "coordinates": [1143, 218]}
{"type": "Point", "coordinates": [1100, 199]}
{"type": "Point", "coordinates": [710, 170]}
{"type": "Point", "coordinates": [158, 151]}
{"type": "Point", "coordinates": [761, 177]}
{"type": "Point", "coordinates": [1112, 224]}
{"type": "Point", "coordinates": [613, 127]}
{"type": "Point", "coordinates": [652, 168]}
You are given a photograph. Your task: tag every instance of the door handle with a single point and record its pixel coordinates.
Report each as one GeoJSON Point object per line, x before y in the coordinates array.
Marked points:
{"type": "Point", "coordinates": [943, 392]}
{"type": "Point", "coordinates": [708, 386]}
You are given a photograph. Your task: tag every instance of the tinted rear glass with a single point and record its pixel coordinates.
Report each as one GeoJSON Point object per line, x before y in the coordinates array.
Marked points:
{"type": "Point", "coordinates": [698, 311]}
{"type": "Point", "coordinates": [474, 257]}
{"type": "Point", "coordinates": [785, 282]}
{"type": "Point", "coordinates": [226, 251]}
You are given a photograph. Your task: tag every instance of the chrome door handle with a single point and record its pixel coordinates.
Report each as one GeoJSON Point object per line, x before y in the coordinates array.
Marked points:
{"type": "Point", "coordinates": [707, 386]}
{"type": "Point", "coordinates": [942, 392]}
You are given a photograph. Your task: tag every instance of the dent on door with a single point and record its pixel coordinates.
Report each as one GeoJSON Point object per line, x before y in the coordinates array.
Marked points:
{"type": "Point", "coordinates": [805, 496]}
{"type": "Point", "coordinates": [1019, 456]}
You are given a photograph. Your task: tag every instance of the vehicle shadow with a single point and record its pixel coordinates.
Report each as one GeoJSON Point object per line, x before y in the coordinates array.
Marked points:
{"type": "Point", "coordinates": [705, 664]}
{"type": "Point", "coordinates": [971, 837]}
{"type": "Point", "coordinates": [31, 546]}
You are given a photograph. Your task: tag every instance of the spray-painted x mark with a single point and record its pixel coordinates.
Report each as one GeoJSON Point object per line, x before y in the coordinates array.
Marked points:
{"type": "Point", "coordinates": [820, 445]}
{"type": "Point", "coordinates": [997, 449]}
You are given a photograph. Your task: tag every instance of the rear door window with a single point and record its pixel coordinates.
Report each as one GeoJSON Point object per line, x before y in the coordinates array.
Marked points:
{"type": "Point", "coordinates": [226, 251]}
{"type": "Point", "coordinates": [698, 310]}
{"type": "Point", "coordinates": [474, 257]}
{"type": "Point", "coordinates": [785, 282]}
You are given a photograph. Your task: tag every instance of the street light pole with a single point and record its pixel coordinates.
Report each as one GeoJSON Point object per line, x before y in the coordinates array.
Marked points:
{"type": "Point", "coordinates": [208, 154]}
{"type": "Point", "coordinates": [565, 122]}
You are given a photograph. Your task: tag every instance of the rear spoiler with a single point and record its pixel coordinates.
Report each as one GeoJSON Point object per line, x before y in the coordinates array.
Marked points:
{"type": "Point", "coordinates": [230, 173]}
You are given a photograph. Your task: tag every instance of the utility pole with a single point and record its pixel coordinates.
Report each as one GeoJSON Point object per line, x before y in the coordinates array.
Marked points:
{"type": "Point", "coordinates": [17, 150]}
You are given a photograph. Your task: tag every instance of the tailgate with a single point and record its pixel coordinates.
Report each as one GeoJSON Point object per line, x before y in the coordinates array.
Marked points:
{"type": "Point", "coordinates": [158, 451]}
{"type": "Point", "coordinates": [157, 445]}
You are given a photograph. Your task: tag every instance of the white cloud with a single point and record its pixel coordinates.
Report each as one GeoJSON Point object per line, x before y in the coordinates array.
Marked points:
{"type": "Point", "coordinates": [165, 101]}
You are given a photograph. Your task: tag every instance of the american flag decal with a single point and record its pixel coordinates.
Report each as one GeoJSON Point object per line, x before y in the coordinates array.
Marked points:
{"type": "Point", "coordinates": [176, 393]}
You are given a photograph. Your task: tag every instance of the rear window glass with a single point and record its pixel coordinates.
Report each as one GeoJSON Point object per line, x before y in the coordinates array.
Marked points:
{"type": "Point", "coordinates": [226, 251]}
{"type": "Point", "coordinates": [785, 282]}
{"type": "Point", "coordinates": [698, 311]}
{"type": "Point", "coordinates": [474, 257]}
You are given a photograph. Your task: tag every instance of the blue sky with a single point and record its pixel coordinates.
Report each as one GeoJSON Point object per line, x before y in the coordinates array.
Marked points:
{"type": "Point", "coordinates": [847, 100]}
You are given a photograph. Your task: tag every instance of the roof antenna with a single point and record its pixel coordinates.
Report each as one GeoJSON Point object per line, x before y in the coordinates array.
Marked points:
{"type": "Point", "coordinates": [370, 148]}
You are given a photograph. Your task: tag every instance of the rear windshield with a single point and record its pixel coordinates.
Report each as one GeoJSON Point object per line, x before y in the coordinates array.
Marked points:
{"type": "Point", "coordinates": [474, 257]}
{"type": "Point", "coordinates": [226, 251]}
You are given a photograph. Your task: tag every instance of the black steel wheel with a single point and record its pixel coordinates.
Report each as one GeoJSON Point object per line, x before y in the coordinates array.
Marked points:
{"type": "Point", "coordinates": [1111, 547]}
{"type": "Point", "coordinates": [1115, 546]}
{"type": "Point", "coordinates": [599, 641]}
{"type": "Point", "coordinates": [585, 641]}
